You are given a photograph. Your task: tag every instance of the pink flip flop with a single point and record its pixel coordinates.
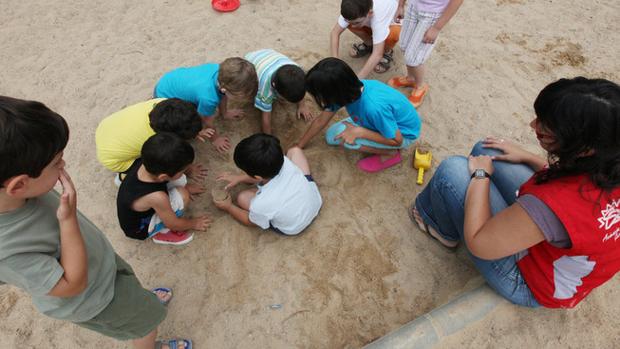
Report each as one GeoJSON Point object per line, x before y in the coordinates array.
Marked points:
{"type": "Point", "coordinates": [374, 163]}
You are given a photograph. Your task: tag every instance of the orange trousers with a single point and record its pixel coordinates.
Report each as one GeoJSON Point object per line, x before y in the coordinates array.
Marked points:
{"type": "Point", "coordinates": [390, 41]}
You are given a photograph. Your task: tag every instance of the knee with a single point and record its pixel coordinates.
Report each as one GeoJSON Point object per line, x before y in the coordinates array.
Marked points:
{"type": "Point", "coordinates": [294, 152]}
{"type": "Point", "coordinates": [244, 198]}
{"type": "Point", "coordinates": [479, 149]}
{"type": "Point", "coordinates": [184, 195]}
{"type": "Point", "coordinates": [333, 131]}
{"type": "Point", "coordinates": [453, 167]}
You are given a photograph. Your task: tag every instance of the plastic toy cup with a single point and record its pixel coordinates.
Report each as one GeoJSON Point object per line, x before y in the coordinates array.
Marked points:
{"type": "Point", "coordinates": [225, 5]}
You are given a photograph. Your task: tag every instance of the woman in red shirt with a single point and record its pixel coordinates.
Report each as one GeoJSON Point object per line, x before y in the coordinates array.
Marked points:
{"type": "Point", "coordinates": [542, 232]}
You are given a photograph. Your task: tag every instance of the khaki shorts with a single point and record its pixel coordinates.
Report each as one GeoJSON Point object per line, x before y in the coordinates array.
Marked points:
{"type": "Point", "coordinates": [134, 311]}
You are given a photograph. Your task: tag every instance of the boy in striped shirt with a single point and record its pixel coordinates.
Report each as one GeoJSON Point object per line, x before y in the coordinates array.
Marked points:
{"type": "Point", "coordinates": [278, 77]}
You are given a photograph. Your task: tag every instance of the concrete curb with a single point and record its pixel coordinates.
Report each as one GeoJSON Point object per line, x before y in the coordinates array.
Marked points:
{"type": "Point", "coordinates": [429, 329]}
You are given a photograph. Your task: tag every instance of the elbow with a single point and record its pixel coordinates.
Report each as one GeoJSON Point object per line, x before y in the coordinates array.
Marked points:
{"type": "Point", "coordinates": [77, 287]}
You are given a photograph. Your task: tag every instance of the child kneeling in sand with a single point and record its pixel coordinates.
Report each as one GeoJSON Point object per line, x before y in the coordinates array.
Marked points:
{"type": "Point", "coordinates": [120, 136]}
{"type": "Point", "coordinates": [155, 192]}
{"type": "Point", "coordinates": [381, 120]}
{"type": "Point", "coordinates": [54, 253]}
{"type": "Point", "coordinates": [278, 77]}
{"type": "Point", "coordinates": [209, 86]}
{"type": "Point", "coordinates": [286, 198]}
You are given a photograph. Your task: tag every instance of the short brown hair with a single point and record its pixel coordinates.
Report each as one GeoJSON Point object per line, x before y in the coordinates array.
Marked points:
{"type": "Point", "coordinates": [238, 76]}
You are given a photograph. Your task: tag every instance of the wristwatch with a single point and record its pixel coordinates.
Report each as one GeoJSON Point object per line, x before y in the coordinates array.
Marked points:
{"type": "Point", "coordinates": [480, 174]}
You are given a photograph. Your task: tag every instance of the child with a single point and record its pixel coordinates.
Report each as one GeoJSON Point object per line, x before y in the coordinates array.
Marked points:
{"type": "Point", "coordinates": [209, 86]}
{"type": "Point", "coordinates": [381, 120]}
{"type": "Point", "coordinates": [120, 136]}
{"type": "Point", "coordinates": [371, 21]}
{"type": "Point", "coordinates": [54, 253]}
{"type": "Point", "coordinates": [278, 76]}
{"type": "Point", "coordinates": [148, 205]}
{"type": "Point", "coordinates": [423, 21]}
{"type": "Point", "coordinates": [286, 198]}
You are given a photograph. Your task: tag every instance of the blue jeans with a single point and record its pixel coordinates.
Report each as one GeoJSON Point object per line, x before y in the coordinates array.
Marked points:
{"type": "Point", "coordinates": [442, 206]}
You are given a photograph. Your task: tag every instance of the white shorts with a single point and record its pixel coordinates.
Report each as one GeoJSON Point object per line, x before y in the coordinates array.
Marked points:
{"type": "Point", "coordinates": [176, 202]}
{"type": "Point", "coordinates": [415, 25]}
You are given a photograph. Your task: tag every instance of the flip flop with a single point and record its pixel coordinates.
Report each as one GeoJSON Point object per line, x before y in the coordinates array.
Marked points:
{"type": "Point", "coordinates": [424, 228]}
{"type": "Point", "coordinates": [401, 81]}
{"type": "Point", "coordinates": [174, 343]}
{"type": "Point", "coordinates": [417, 96]}
{"type": "Point", "coordinates": [164, 289]}
{"type": "Point", "coordinates": [373, 163]}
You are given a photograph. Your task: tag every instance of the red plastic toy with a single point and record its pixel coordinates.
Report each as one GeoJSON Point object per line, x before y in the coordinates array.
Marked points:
{"type": "Point", "coordinates": [225, 5]}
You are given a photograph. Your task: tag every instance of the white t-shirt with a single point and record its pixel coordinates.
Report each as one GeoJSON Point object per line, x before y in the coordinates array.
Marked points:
{"type": "Point", "coordinates": [383, 12]}
{"type": "Point", "coordinates": [288, 202]}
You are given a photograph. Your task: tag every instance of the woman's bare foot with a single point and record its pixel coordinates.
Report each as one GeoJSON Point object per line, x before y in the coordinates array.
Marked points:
{"type": "Point", "coordinates": [429, 230]}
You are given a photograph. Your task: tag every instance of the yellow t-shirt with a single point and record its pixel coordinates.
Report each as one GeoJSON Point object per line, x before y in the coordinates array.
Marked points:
{"type": "Point", "coordinates": [120, 136]}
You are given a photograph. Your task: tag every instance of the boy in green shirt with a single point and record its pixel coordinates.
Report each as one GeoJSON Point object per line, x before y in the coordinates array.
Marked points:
{"type": "Point", "coordinates": [53, 252]}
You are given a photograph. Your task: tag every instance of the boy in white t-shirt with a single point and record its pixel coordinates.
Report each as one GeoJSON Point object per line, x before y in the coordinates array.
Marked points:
{"type": "Point", "coordinates": [286, 198]}
{"type": "Point", "coordinates": [372, 21]}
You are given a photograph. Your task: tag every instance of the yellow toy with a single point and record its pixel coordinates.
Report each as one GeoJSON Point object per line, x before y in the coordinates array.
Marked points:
{"type": "Point", "coordinates": [422, 161]}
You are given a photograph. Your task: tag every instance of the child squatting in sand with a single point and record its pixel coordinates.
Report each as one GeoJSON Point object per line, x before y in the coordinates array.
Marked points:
{"type": "Point", "coordinates": [210, 86]}
{"type": "Point", "coordinates": [155, 192]}
{"type": "Point", "coordinates": [286, 198]}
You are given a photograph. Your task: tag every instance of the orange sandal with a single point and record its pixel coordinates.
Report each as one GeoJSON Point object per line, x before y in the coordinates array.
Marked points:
{"type": "Point", "coordinates": [401, 81]}
{"type": "Point", "coordinates": [417, 96]}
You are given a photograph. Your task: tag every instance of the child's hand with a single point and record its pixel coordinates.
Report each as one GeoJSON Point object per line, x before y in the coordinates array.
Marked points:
{"type": "Point", "coordinates": [350, 134]}
{"type": "Point", "coordinates": [205, 134]}
{"type": "Point", "coordinates": [512, 152]}
{"type": "Point", "coordinates": [400, 14]}
{"type": "Point", "coordinates": [224, 204]}
{"type": "Point", "coordinates": [303, 111]}
{"type": "Point", "coordinates": [234, 114]}
{"type": "Point", "coordinates": [196, 172]}
{"type": "Point", "coordinates": [68, 199]}
{"type": "Point", "coordinates": [431, 35]}
{"type": "Point", "coordinates": [232, 179]}
{"type": "Point", "coordinates": [200, 223]}
{"type": "Point", "coordinates": [195, 189]}
{"type": "Point", "coordinates": [222, 144]}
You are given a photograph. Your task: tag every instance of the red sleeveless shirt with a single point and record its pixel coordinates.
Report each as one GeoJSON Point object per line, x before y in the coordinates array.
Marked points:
{"type": "Point", "coordinates": [562, 277]}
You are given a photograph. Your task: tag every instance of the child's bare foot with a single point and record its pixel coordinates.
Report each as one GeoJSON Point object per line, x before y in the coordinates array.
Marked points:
{"type": "Point", "coordinates": [415, 216]}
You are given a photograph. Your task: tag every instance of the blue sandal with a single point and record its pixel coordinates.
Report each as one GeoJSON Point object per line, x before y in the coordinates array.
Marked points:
{"type": "Point", "coordinates": [163, 289]}
{"type": "Point", "coordinates": [174, 343]}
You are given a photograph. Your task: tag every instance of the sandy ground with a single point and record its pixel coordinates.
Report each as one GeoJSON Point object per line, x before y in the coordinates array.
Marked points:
{"type": "Point", "coordinates": [362, 269]}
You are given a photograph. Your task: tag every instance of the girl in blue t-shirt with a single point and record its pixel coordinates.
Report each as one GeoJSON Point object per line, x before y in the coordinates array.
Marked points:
{"type": "Point", "coordinates": [381, 120]}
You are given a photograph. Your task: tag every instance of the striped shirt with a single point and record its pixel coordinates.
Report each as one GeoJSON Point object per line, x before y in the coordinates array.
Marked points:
{"type": "Point", "coordinates": [266, 62]}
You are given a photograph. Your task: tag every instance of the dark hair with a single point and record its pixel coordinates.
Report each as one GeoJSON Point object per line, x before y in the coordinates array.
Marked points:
{"type": "Point", "coordinates": [176, 116]}
{"type": "Point", "coordinates": [288, 81]}
{"type": "Point", "coordinates": [31, 135]}
{"type": "Point", "coordinates": [584, 117]}
{"type": "Point", "coordinates": [166, 153]}
{"type": "Point", "coordinates": [259, 155]}
{"type": "Point", "coordinates": [333, 83]}
{"type": "Point", "coordinates": [354, 9]}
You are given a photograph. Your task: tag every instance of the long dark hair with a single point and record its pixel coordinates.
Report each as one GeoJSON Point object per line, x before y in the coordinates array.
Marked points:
{"type": "Point", "coordinates": [333, 83]}
{"type": "Point", "coordinates": [584, 117]}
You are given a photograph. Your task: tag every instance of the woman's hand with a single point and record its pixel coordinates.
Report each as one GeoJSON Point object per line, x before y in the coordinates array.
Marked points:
{"type": "Point", "coordinates": [512, 152]}
{"type": "Point", "coordinates": [484, 162]}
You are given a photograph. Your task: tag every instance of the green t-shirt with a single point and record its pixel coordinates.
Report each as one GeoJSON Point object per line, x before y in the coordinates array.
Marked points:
{"type": "Point", "coordinates": [30, 253]}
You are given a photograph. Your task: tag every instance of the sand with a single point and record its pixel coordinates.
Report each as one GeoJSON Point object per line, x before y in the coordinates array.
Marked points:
{"type": "Point", "coordinates": [361, 269]}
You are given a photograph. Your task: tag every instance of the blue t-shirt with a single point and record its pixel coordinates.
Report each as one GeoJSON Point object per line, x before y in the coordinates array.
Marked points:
{"type": "Point", "coordinates": [197, 85]}
{"type": "Point", "coordinates": [385, 110]}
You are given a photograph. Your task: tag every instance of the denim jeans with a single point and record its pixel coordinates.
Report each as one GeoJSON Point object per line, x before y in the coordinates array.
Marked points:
{"type": "Point", "coordinates": [442, 206]}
